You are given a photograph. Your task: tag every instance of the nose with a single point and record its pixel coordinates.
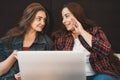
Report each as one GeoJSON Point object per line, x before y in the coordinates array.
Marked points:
{"type": "Point", "coordinates": [42, 22]}
{"type": "Point", "coordinates": [63, 21]}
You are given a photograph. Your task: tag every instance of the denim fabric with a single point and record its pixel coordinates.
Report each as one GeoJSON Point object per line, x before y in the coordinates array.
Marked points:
{"type": "Point", "coordinates": [89, 77]}
{"type": "Point", "coordinates": [102, 77]}
{"type": "Point", "coordinates": [7, 45]}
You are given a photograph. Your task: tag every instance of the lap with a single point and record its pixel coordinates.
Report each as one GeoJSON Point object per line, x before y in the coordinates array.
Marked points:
{"type": "Point", "coordinates": [102, 77]}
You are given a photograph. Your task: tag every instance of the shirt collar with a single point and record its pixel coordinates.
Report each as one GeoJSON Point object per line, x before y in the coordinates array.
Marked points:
{"type": "Point", "coordinates": [40, 38]}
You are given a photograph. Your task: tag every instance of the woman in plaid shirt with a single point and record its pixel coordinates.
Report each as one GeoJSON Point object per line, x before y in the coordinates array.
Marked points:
{"type": "Point", "coordinates": [81, 34]}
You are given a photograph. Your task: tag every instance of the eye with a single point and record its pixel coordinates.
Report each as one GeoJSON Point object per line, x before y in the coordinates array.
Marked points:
{"type": "Point", "coordinates": [66, 15]}
{"type": "Point", "coordinates": [38, 19]}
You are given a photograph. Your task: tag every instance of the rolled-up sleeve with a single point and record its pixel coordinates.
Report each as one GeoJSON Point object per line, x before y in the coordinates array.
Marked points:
{"type": "Point", "coordinates": [100, 43]}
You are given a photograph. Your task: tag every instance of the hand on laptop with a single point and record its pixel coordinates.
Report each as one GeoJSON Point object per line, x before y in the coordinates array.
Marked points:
{"type": "Point", "coordinates": [14, 53]}
{"type": "Point", "coordinates": [17, 76]}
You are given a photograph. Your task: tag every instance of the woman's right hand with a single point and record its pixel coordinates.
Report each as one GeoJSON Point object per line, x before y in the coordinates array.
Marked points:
{"type": "Point", "coordinates": [17, 76]}
{"type": "Point", "coordinates": [6, 65]}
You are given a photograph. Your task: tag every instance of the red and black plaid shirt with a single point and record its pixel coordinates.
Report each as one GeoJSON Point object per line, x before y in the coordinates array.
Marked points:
{"type": "Point", "coordinates": [100, 50]}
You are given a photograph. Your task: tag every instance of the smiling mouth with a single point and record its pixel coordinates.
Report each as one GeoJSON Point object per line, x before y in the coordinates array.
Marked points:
{"type": "Point", "coordinates": [40, 26]}
{"type": "Point", "coordinates": [67, 24]}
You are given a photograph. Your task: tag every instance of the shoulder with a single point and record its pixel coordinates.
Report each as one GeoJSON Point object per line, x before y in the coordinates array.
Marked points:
{"type": "Point", "coordinates": [62, 34]}
{"type": "Point", "coordinates": [6, 40]}
{"type": "Point", "coordinates": [47, 37]}
{"type": "Point", "coordinates": [49, 42]}
{"type": "Point", "coordinates": [44, 37]}
{"type": "Point", "coordinates": [5, 43]}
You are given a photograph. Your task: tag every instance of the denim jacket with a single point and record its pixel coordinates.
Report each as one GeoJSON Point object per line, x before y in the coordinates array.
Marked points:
{"type": "Point", "coordinates": [7, 45]}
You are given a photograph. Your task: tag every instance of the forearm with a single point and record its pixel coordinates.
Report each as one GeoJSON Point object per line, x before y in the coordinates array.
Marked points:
{"type": "Point", "coordinates": [7, 64]}
{"type": "Point", "coordinates": [87, 37]}
{"type": "Point", "coordinates": [98, 41]}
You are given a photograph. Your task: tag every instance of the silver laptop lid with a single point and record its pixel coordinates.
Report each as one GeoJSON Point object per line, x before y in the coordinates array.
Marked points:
{"type": "Point", "coordinates": [51, 65]}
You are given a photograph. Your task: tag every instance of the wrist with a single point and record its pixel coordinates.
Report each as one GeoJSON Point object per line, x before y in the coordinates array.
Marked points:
{"type": "Point", "coordinates": [14, 54]}
{"type": "Point", "coordinates": [82, 31]}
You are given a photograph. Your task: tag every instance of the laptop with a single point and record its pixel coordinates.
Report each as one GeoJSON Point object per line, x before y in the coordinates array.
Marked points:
{"type": "Point", "coordinates": [51, 65]}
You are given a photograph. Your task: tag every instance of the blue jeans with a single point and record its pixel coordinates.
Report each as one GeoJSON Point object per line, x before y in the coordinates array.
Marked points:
{"type": "Point", "coordinates": [102, 77]}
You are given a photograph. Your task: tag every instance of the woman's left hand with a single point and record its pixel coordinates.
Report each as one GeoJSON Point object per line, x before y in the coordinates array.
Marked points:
{"type": "Point", "coordinates": [77, 25]}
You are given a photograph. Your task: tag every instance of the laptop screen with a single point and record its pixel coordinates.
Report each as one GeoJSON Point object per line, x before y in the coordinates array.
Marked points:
{"type": "Point", "coordinates": [51, 65]}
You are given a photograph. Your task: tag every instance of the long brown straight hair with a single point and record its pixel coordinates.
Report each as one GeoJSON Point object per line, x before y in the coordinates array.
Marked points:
{"type": "Point", "coordinates": [28, 16]}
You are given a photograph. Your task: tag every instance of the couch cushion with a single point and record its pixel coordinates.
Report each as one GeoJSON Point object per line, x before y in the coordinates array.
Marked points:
{"type": "Point", "coordinates": [118, 54]}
